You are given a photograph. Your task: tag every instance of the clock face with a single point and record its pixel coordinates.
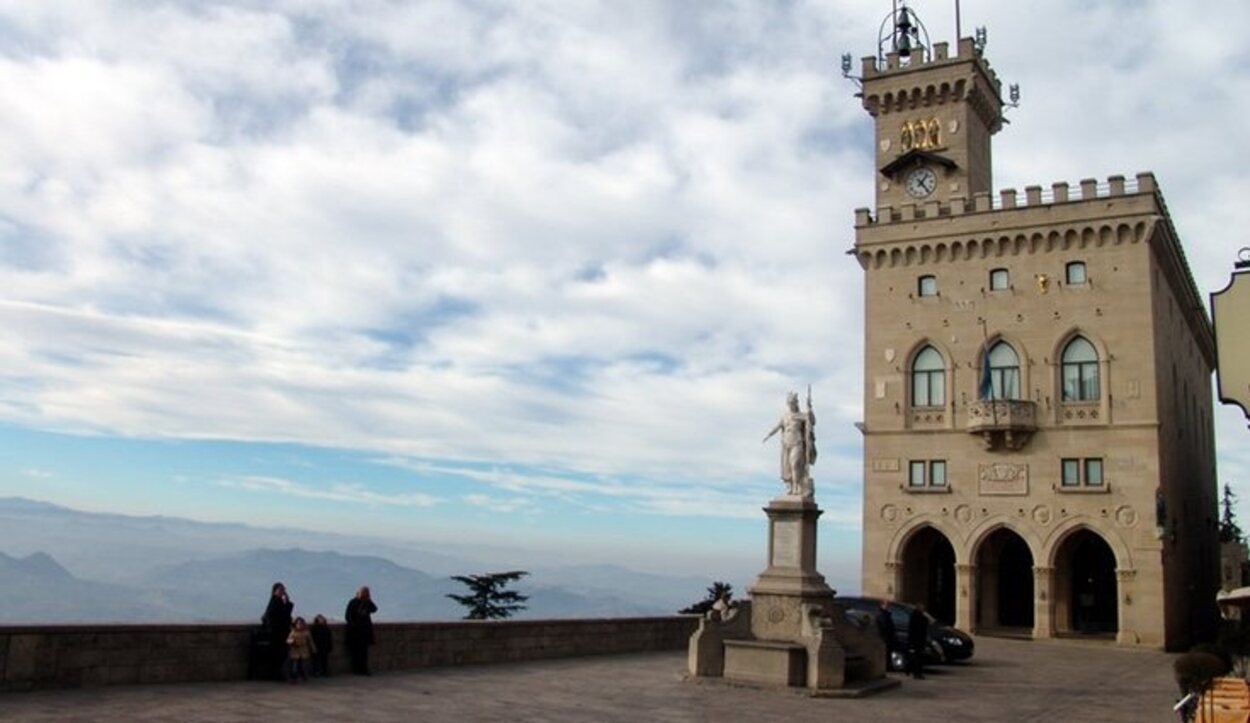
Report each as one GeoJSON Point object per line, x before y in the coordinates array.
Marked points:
{"type": "Point", "coordinates": [921, 182]}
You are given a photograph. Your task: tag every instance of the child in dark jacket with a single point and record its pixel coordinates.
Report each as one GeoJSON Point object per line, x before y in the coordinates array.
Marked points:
{"type": "Point", "coordinates": [323, 643]}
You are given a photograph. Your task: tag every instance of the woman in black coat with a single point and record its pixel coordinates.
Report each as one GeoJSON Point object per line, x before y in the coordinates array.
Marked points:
{"type": "Point", "coordinates": [277, 622]}
{"type": "Point", "coordinates": [359, 617]}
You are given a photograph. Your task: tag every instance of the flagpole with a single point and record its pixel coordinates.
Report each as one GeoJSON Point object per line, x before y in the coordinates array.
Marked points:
{"type": "Point", "coordinates": [985, 337]}
{"type": "Point", "coordinates": [958, 28]}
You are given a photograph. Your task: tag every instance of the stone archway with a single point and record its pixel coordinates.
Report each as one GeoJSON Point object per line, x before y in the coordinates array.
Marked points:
{"type": "Point", "coordinates": [1086, 593]}
{"type": "Point", "coordinates": [1004, 582]}
{"type": "Point", "coordinates": [928, 573]}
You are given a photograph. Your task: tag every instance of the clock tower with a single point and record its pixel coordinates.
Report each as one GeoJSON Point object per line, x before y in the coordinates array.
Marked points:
{"type": "Point", "coordinates": [934, 116]}
{"type": "Point", "coordinates": [1038, 447]}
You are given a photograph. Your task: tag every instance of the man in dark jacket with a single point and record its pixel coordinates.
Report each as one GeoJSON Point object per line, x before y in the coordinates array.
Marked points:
{"type": "Point", "coordinates": [885, 627]}
{"type": "Point", "coordinates": [359, 617]}
{"type": "Point", "coordinates": [277, 623]}
{"type": "Point", "coordinates": [917, 641]}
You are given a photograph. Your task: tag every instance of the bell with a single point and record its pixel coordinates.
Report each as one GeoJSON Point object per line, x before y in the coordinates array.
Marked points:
{"type": "Point", "coordinates": [904, 47]}
{"type": "Point", "coordinates": [903, 33]}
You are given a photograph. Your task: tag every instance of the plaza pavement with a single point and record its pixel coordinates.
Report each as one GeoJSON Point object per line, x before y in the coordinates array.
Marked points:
{"type": "Point", "coordinates": [1008, 681]}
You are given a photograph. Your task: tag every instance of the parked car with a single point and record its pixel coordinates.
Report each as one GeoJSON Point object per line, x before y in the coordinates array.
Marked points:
{"type": "Point", "coordinates": [946, 644]}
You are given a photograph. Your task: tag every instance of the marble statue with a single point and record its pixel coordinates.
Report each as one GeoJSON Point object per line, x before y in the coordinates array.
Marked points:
{"type": "Point", "coordinates": [798, 445]}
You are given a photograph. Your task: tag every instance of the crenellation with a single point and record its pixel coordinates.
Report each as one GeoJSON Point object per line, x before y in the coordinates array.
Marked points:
{"type": "Point", "coordinates": [1035, 196]}
{"type": "Point", "coordinates": [872, 66]}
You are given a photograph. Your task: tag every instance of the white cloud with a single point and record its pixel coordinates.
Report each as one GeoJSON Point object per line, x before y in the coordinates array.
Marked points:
{"type": "Point", "coordinates": [349, 492]}
{"type": "Point", "coordinates": [599, 238]}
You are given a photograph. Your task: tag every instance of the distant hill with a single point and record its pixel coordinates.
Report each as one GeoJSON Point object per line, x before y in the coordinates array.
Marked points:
{"type": "Point", "coordinates": [237, 586]}
{"type": "Point", "coordinates": [124, 548]}
{"type": "Point", "coordinates": [169, 568]}
{"type": "Point", "coordinates": [35, 589]}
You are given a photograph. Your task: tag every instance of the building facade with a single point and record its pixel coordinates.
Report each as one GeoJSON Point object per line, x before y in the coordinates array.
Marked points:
{"type": "Point", "coordinates": [1038, 435]}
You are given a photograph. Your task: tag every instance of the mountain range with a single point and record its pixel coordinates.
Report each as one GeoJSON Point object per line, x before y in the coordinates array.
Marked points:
{"type": "Point", "coordinates": [64, 565]}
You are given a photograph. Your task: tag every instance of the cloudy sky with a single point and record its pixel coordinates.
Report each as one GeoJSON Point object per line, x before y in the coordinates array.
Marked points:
{"type": "Point", "coordinates": [531, 274]}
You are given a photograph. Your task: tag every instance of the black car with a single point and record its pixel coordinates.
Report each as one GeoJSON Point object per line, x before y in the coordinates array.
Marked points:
{"type": "Point", "coordinates": [946, 644]}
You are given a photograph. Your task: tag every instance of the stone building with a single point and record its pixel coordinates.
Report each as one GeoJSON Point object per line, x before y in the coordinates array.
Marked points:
{"type": "Point", "coordinates": [1038, 445]}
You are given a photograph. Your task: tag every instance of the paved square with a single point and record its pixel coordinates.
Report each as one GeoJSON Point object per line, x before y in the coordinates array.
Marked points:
{"type": "Point", "coordinates": [1008, 681]}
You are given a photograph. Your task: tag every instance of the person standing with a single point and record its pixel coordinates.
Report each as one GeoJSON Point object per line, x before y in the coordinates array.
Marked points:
{"type": "Point", "coordinates": [301, 650]}
{"type": "Point", "coordinates": [917, 641]}
{"type": "Point", "coordinates": [323, 641]}
{"type": "Point", "coordinates": [885, 627]}
{"type": "Point", "coordinates": [359, 617]}
{"type": "Point", "coordinates": [277, 622]}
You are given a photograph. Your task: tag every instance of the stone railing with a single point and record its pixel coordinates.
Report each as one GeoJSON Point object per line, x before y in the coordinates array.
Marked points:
{"type": "Point", "coordinates": [1003, 422]}
{"type": "Point", "coordinates": [71, 656]}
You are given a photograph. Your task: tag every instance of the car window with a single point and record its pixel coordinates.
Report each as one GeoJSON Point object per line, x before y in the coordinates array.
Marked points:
{"type": "Point", "coordinates": [900, 617]}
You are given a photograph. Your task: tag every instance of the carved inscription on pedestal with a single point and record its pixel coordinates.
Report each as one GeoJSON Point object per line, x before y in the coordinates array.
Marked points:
{"type": "Point", "coordinates": [786, 543]}
{"type": "Point", "coordinates": [1003, 478]}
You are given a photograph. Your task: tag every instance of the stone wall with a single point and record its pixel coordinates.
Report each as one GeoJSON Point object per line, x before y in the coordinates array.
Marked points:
{"type": "Point", "coordinates": [71, 656]}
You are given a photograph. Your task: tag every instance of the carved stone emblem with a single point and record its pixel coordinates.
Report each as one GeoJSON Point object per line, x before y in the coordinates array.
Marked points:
{"type": "Point", "coordinates": [963, 513]}
{"type": "Point", "coordinates": [1042, 515]}
{"type": "Point", "coordinates": [889, 513]}
{"type": "Point", "coordinates": [1125, 516]}
{"type": "Point", "coordinates": [1003, 478]}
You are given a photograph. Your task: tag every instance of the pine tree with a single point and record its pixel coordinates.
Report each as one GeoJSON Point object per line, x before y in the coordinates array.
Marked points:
{"type": "Point", "coordinates": [714, 593]}
{"type": "Point", "coordinates": [1230, 531]}
{"type": "Point", "coordinates": [487, 598]}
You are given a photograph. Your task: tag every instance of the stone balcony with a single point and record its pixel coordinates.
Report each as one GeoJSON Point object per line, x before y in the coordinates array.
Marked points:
{"type": "Point", "coordinates": [1003, 423]}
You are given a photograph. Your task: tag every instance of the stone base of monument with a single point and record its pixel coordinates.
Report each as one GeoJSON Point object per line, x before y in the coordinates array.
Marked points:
{"type": "Point", "coordinates": [791, 633]}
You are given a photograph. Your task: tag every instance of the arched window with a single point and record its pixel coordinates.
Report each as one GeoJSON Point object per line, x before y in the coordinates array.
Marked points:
{"type": "Point", "coordinates": [1004, 369]}
{"type": "Point", "coordinates": [1080, 371]}
{"type": "Point", "coordinates": [928, 379]}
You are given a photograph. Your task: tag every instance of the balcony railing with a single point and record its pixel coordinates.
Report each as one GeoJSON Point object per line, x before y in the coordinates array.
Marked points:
{"type": "Point", "coordinates": [1003, 423]}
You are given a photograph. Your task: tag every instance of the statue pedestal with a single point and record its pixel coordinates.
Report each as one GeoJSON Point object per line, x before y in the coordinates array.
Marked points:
{"type": "Point", "coordinates": [791, 632]}
{"type": "Point", "coordinates": [791, 579]}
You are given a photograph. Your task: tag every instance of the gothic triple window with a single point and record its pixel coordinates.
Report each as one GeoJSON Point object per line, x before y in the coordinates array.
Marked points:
{"type": "Point", "coordinates": [1080, 371]}
{"type": "Point", "coordinates": [928, 379]}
